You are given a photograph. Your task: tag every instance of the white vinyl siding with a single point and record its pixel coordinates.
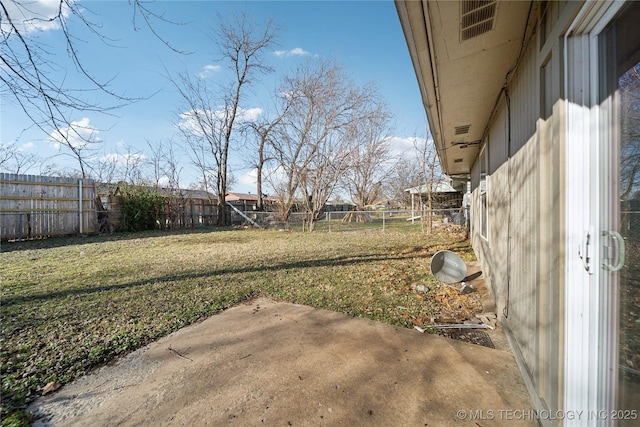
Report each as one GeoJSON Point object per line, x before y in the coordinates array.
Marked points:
{"type": "Point", "coordinates": [526, 218]}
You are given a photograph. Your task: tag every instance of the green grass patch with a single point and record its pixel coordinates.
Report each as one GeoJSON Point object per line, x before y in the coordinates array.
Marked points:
{"type": "Point", "coordinates": [70, 305]}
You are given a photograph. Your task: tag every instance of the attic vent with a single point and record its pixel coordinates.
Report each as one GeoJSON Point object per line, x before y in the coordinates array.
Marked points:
{"type": "Point", "coordinates": [457, 160]}
{"type": "Point", "coordinates": [476, 17]}
{"type": "Point", "coordinates": [461, 130]}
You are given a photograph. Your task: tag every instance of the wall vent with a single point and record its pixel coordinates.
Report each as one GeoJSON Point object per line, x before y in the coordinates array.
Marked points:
{"type": "Point", "coordinates": [462, 130]}
{"type": "Point", "coordinates": [457, 160]}
{"type": "Point", "coordinates": [476, 17]}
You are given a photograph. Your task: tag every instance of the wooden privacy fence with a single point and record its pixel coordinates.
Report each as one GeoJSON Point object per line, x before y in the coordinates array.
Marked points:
{"type": "Point", "coordinates": [41, 206]}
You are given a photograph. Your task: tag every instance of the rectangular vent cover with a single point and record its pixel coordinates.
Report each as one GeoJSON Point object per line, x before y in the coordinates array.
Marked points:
{"type": "Point", "coordinates": [462, 130]}
{"type": "Point", "coordinates": [476, 17]}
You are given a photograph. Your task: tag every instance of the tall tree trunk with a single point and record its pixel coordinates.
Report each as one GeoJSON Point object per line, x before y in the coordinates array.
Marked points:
{"type": "Point", "coordinates": [259, 173]}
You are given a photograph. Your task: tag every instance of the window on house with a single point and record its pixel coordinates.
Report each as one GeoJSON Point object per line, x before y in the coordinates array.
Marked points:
{"type": "Point", "coordinates": [546, 96]}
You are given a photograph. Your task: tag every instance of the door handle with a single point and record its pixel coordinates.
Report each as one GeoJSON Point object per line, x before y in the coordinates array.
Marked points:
{"type": "Point", "coordinates": [584, 251]}
{"type": "Point", "coordinates": [620, 250]}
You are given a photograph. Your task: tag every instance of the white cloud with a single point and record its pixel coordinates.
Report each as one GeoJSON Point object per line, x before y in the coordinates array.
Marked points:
{"type": "Point", "coordinates": [79, 135]}
{"type": "Point", "coordinates": [189, 122]}
{"type": "Point", "coordinates": [123, 159]}
{"type": "Point", "coordinates": [249, 178]}
{"type": "Point", "coordinates": [36, 15]}
{"type": "Point", "coordinates": [287, 94]}
{"type": "Point", "coordinates": [404, 146]}
{"type": "Point", "coordinates": [298, 51]}
{"type": "Point", "coordinates": [246, 182]}
{"type": "Point", "coordinates": [250, 115]}
{"type": "Point", "coordinates": [212, 120]}
{"type": "Point", "coordinates": [207, 70]}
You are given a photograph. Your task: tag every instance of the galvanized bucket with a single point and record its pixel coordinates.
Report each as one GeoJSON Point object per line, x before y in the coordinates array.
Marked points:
{"type": "Point", "coordinates": [448, 267]}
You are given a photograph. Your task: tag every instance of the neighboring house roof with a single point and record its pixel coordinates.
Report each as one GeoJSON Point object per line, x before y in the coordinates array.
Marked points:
{"type": "Point", "coordinates": [339, 202]}
{"type": "Point", "coordinates": [245, 197]}
{"type": "Point", "coordinates": [461, 65]}
{"type": "Point", "coordinates": [197, 194]}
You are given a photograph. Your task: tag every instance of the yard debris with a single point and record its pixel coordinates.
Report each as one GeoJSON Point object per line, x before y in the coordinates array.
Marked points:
{"type": "Point", "coordinates": [357, 216]}
{"type": "Point", "coordinates": [177, 353]}
{"type": "Point", "coordinates": [487, 318]}
{"type": "Point", "coordinates": [458, 308]}
{"type": "Point", "coordinates": [464, 288]}
{"type": "Point", "coordinates": [455, 306]}
{"type": "Point", "coordinates": [462, 326]}
{"type": "Point", "coordinates": [50, 388]}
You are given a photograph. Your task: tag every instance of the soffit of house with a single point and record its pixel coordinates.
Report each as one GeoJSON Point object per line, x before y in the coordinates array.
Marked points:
{"type": "Point", "coordinates": [461, 80]}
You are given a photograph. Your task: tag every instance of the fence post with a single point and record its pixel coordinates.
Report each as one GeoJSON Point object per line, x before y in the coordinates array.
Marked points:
{"type": "Point", "coordinates": [383, 222]}
{"type": "Point", "coordinates": [80, 204]}
{"type": "Point", "coordinates": [413, 214]}
{"type": "Point", "coordinates": [467, 219]}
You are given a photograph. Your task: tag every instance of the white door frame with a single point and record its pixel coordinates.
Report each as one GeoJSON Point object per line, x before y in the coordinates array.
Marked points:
{"type": "Point", "coordinates": [586, 383]}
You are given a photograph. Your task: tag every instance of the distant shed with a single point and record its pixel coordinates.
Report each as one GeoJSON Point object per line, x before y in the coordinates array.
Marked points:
{"type": "Point", "coordinates": [446, 194]}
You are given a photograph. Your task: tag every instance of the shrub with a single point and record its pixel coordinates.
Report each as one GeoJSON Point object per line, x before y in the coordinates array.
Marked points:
{"type": "Point", "coordinates": [141, 208]}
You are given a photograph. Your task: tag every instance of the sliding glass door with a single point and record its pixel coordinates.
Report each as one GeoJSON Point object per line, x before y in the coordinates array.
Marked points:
{"type": "Point", "coordinates": [619, 270]}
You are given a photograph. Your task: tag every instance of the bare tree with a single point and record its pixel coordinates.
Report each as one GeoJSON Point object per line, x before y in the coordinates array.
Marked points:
{"type": "Point", "coordinates": [428, 160]}
{"type": "Point", "coordinates": [371, 159]}
{"type": "Point", "coordinates": [404, 174]}
{"type": "Point", "coordinates": [265, 130]}
{"type": "Point", "coordinates": [164, 162]}
{"type": "Point", "coordinates": [6, 154]}
{"type": "Point", "coordinates": [82, 140]}
{"type": "Point", "coordinates": [314, 146]}
{"type": "Point", "coordinates": [104, 169]}
{"type": "Point", "coordinates": [17, 161]}
{"type": "Point", "coordinates": [132, 165]}
{"type": "Point", "coordinates": [155, 162]}
{"type": "Point", "coordinates": [322, 175]}
{"type": "Point", "coordinates": [27, 67]}
{"type": "Point", "coordinates": [210, 123]}
{"type": "Point", "coordinates": [201, 130]}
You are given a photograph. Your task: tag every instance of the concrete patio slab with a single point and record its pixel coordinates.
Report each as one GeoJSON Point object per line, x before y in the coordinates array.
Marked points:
{"type": "Point", "coordinates": [270, 363]}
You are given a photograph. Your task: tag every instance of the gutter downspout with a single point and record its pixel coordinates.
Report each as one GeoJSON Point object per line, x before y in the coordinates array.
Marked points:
{"type": "Point", "coordinates": [434, 77]}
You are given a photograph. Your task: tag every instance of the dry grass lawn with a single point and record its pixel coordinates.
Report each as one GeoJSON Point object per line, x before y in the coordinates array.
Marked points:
{"type": "Point", "coordinates": [70, 305]}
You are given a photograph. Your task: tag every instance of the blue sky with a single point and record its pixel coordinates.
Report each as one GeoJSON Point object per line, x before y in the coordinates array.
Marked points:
{"type": "Point", "coordinates": [363, 36]}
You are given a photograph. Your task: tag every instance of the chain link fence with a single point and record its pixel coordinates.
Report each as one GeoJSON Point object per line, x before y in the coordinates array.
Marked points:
{"type": "Point", "coordinates": [116, 220]}
{"type": "Point", "coordinates": [336, 221]}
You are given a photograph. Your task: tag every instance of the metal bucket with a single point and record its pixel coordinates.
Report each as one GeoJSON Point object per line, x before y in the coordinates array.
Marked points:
{"type": "Point", "coordinates": [448, 267]}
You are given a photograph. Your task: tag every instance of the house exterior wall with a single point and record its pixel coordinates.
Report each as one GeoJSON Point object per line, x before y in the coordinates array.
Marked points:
{"type": "Point", "coordinates": [522, 255]}
{"type": "Point", "coordinates": [547, 224]}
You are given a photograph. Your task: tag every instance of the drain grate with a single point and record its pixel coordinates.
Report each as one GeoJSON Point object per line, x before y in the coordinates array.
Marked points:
{"type": "Point", "coordinates": [469, 335]}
